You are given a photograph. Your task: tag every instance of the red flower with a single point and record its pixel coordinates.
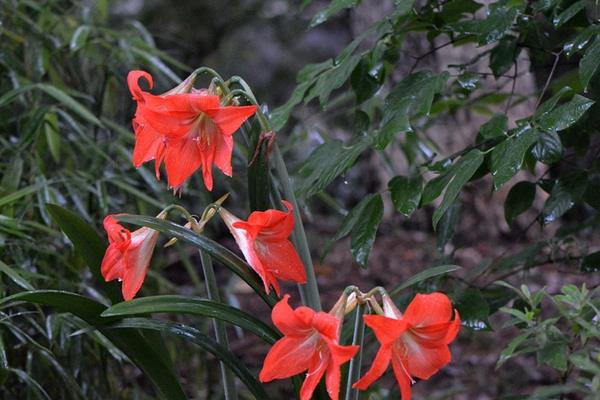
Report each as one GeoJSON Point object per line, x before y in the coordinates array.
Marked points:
{"type": "Point", "coordinates": [264, 242]}
{"type": "Point", "coordinates": [186, 130]}
{"type": "Point", "coordinates": [416, 343]}
{"type": "Point", "coordinates": [310, 343]}
{"type": "Point", "coordinates": [128, 255]}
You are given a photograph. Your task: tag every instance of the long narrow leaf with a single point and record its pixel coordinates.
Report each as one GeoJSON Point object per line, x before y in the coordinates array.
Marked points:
{"type": "Point", "coordinates": [424, 275]}
{"type": "Point", "coordinates": [194, 306]}
{"type": "Point", "coordinates": [205, 342]}
{"type": "Point", "coordinates": [130, 341]}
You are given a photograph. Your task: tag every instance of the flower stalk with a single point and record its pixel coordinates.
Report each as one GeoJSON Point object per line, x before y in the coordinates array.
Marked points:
{"type": "Point", "coordinates": [212, 292]}
{"type": "Point", "coordinates": [355, 364]}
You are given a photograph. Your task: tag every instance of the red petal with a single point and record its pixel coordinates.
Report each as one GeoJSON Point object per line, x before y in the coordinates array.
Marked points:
{"type": "Point", "coordinates": [332, 380]}
{"type": "Point", "coordinates": [404, 380]}
{"type": "Point", "coordinates": [288, 321]}
{"type": "Point", "coordinates": [281, 259]}
{"type": "Point", "coordinates": [229, 119]}
{"type": "Point", "coordinates": [113, 265]}
{"type": "Point", "coordinates": [275, 225]}
{"type": "Point", "coordinates": [326, 324]}
{"type": "Point", "coordinates": [378, 368]}
{"type": "Point", "coordinates": [137, 260]}
{"type": "Point", "coordinates": [387, 330]}
{"type": "Point", "coordinates": [428, 309]}
{"type": "Point", "coordinates": [134, 86]}
{"type": "Point", "coordinates": [182, 159]}
{"type": "Point", "coordinates": [288, 357]}
{"type": "Point", "coordinates": [223, 151]}
{"type": "Point", "coordinates": [423, 362]}
{"type": "Point", "coordinates": [435, 335]}
{"type": "Point", "coordinates": [318, 365]}
{"type": "Point", "coordinates": [148, 144]}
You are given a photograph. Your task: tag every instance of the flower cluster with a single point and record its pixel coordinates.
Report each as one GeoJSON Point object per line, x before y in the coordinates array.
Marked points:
{"type": "Point", "coordinates": [187, 129]}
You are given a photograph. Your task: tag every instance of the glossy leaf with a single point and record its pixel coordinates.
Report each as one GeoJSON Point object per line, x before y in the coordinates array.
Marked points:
{"type": "Point", "coordinates": [463, 170]}
{"type": "Point", "coordinates": [566, 115]}
{"type": "Point", "coordinates": [194, 306]}
{"type": "Point", "coordinates": [569, 13]}
{"type": "Point", "coordinates": [203, 341]}
{"type": "Point", "coordinates": [519, 199]}
{"type": "Point", "coordinates": [423, 276]}
{"type": "Point", "coordinates": [588, 65]}
{"type": "Point", "coordinates": [568, 190]}
{"type": "Point", "coordinates": [502, 57]}
{"type": "Point", "coordinates": [447, 224]}
{"type": "Point", "coordinates": [498, 23]}
{"type": "Point", "coordinates": [507, 158]}
{"type": "Point", "coordinates": [327, 162]}
{"type": "Point", "coordinates": [412, 96]}
{"type": "Point", "coordinates": [335, 6]}
{"type": "Point", "coordinates": [364, 232]}
{"type": "Point", "coordinates": [548, 149]}
{"type": "Point", "coordinates": [495, 127]}
{"type": "Point", "coordinates": [406, 193]}
{"type": "Point", "coordinates": [591, 262]}
{"type": "Point", "coordinates": [474, 310]}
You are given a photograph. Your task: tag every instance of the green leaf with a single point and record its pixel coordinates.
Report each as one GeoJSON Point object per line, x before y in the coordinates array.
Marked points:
{"type": "Point", "coordinates": [130, 342]}
{"type": "Point", "coordinates": [423, 276]}
{"type": "Point", "coordinates": [214, 249]}
{"type": "Point", "coordinates": [15, 276]}
{"type": "Point", "coordinates": [363, 233]}
{"type": "Point", "coordinates": [69, 102]}
{"type": "Point", "coordinates": [79, 38]}
{"type": "Point", "coordinates": [588, 65]}
{"type": "Point", "coordinates": [52, 136]}
{"type": "Point", "coordinates": [463, 170]}
{"type": "Point", "coordinates": [569, 13]}
{"type": "Point", "coordinates": [448, 222]}
{"type": "Point", "coordinates": [548, 149]}
{"type": "Point", "coordinates": [495, 127]}
{"type": "Point", "coordinates": [326, 163]}
{"type": "Point", "coordinates": [14, 196]}
{"type": "Point", "coordinates": [509, 350]}
{"type": "Point", "coordinates": [502, 57]}
{"type": "Point", "coordinates": [335, 76]}
{"type": "Point", "coordinates": [406, 193]}
{"type": "Point", "coordinates": [554, 354]}
{"type": "Point", "coordinates": [435, 187]}
{"type": "Point", "coordinates": [194, 306]}
{"type": "Point", "coordinates": [591, 262]}
{"type": "Point", "coordinates": [506, 158]}
{"type": "Point", "coordinates": [410, 97]}
{"type": "Point", "coordinates": [578, 43]}
{"type": "Point", "coordinates": [565, 115]}
{"type": "Point", "coordinates": [203, 341]}
{"type": "Point", "coordinates": [498, 23]}
{"type": "Point", "coordinates": [367, 78]}
{"type": "Point", "coordinates": [549, 104]}
{"type": "Point", "coordinates": [568, 190]}
{"type": "Point", "coordinates": [403, 7]}
{"type": "Point", "coordinates": [306, 78]}
{"type": "Point", "coordinates": [334, 7]}
{"type": "Point", "coordinates": [519, 199]}
{"type": "Point", "coordinates": [351, 219]}
{"type": "Point", "coordinates": [87, 244]}
{"type": "Point", "coordinates": [473, 309]}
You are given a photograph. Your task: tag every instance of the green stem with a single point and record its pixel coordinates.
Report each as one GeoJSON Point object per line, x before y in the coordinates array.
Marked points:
{"type": "Point", "coordinates": [355, 363]}
{"type": "Point", "coordinates": [212, 292]}
{"type": "Point", "coordinates": [309, 291]}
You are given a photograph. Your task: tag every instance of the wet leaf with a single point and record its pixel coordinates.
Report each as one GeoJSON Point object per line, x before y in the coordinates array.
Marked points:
{"type": "Point", "coordinates": [519, 199]}
{"type": "Point", "coordinates": [406, 193]}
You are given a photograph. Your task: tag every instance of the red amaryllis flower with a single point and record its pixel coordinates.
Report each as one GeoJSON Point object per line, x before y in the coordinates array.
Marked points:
{"type": "Point", "coordinates": [128, 255]}
{"type": "Point", "coordinates": [185, 128]}
{"type": "Point", "coordinates": [264, 242]}
{"type": "Point", "coordinates": [310, 343]}
{"type": "Point", "coordinates": [416, 343]}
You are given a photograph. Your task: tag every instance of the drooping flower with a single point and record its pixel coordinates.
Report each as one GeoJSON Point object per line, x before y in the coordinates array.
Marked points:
{"type": "Point", "coordinates": [310, 343]}
{"type": "Point", "coordinates": [263, 239]}
{"type": "Point", "coordinates": [184, 127]}
{"type": "Point", "coordinates": [128, 255]}
{"type": "Point", "coordinates": [416, 343]}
